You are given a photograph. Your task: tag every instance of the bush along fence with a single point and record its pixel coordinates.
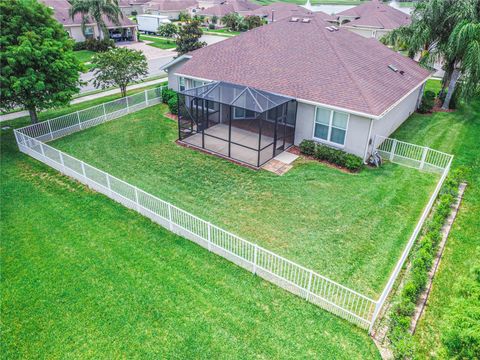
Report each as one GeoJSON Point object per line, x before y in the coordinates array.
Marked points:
{"type": "Point", "coordinates": [416, 277]}
{"type": "Point", "coordinates": [297, 279]}
{"type": "Point", "coordinates": [313, 287]}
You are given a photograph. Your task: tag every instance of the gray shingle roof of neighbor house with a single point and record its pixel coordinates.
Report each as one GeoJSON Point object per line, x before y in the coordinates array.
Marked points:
{"type": "Point", "coordinates": [230, 6]}
{"type": "Point", "coordinates": [170, 5]}
{"type": "Point", "coordinates": [309, 62]}
{"type": "Point", "coordinates": [61, 13]}
{"type": "Point", "coordinates": [376, 14]}
{"type": "Point", "coordinates": [285, 10]}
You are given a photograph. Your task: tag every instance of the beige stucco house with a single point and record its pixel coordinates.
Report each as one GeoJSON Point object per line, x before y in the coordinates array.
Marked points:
{"type": "Point", "coordinates": [346, 88]}
{"type": "Point", "coordinates": [125, 30]}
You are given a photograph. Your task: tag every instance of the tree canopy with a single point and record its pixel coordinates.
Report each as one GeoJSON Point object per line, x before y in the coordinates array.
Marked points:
{"type": "Point", "coordinates": [39, 69]}
{"type": "Point", "coordinates": [188, 38]}
{"type": "Point", "coordinates": [119, 67]}
{"type": "Point", "coordinates": [97, 10]}
{"type": "Point", "coordinates": [445, 31]}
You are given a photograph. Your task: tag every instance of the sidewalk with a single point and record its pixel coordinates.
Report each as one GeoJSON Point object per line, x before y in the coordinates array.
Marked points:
{"type": "Point", "coordinates": [78, 100]}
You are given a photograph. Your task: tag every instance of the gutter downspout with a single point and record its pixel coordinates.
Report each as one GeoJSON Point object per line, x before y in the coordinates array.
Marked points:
{"type": "Point", "coordinates": [365, 154]}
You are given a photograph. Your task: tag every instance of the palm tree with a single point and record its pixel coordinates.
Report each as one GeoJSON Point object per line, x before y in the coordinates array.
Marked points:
{"type": "Point", "coordinates": [96, 9]}
{"type": "Point", "coordinates": [464, 47]}
{"type": "Point", "coordinates": [433, 24]}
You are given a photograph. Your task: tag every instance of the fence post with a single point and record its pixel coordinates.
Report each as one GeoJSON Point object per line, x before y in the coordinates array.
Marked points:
{"type": "Point", "coordinates": [170, 224]}
{"type": "Point", "coordinates": [309, 286]}
{"type": "Point", "coordinates": [209, 236]}
{"type": "Point", "coordinates": [104, 113]}
{"type": "Point", "coordinates": [61, 161]}
{"type": "Point", "coordinates": [79, 122]}
{"type": "Point", "coordinates": [83, 170]}
{"type": "Point", "coordinates": [41, 148]}
{"type": "Point", "coordinates": [50, 129]}
{"type": "Point", "coordinates": [136, 198]}
{"type": "Point", "coordinates": [378, 306]}
{"type": "Point", "coordinates": [255, 250]}
{"type": "Point", "coordinates": [108, 184]}
{"type": "Point", "coordinates": [424, 156]}
{"type": "Point", "coordinates": [394, 147]}
{"type": "Point", "coordinates": [146, 98]}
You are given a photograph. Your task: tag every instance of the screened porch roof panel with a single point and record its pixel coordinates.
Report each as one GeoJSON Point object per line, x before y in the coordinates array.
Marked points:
{"type": "Point", "coordinates": [240, 96]}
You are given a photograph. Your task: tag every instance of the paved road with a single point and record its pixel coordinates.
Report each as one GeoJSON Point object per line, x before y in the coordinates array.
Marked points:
{"type": "Point", "coordinates": [156, 58]}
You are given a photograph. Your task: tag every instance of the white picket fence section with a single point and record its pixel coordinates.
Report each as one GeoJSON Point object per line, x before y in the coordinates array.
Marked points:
{"type": "Point", "coordinates": [421, 158]}
{"type": "Point", "coordinates": [411, 155]}
{"type": "Point", "coordinates": [295, 278]}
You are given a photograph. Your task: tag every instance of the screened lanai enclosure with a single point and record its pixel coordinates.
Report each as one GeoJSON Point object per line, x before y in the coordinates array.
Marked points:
{"type": "Point", "coordinates": [235, 121]}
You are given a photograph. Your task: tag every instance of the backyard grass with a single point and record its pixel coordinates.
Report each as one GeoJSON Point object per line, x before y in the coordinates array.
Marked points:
{"type": "Point", "coordinates": [158, 42]}
{"type": "Point", "coordinates": [351, 228]}
{"type": "Point", "coordinates": [83, 277]}
{"type": "Point", "coordinates": [457, 133]}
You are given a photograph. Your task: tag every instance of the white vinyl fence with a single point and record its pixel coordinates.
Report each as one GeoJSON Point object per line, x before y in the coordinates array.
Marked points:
{"type": "Point", "coordinates": [315, 288]}
{"type": "Point", "coordinates": [297, 279]}
{"type": "Point", "coordinates": [422, 158]}
{"type": "Point", "coordinates": [416, 156]}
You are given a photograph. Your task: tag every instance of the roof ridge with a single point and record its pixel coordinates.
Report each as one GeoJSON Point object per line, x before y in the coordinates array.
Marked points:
{"type": "Point", "coordinates": [359, 88]}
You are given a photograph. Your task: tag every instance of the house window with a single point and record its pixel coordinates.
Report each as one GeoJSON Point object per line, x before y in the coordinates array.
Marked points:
{"type": "Point", "coordinates": [330, 126]}
{"type": "Point", "coordinates": [181, 83]}
{"type": "Point", "coordinates": [89, 32]}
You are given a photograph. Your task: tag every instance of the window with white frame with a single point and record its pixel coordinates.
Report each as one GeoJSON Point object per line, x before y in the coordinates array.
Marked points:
{"type": "Point", "coordinates": [330, 126]}
{"type": "Point", "coordinates": [181, 83]}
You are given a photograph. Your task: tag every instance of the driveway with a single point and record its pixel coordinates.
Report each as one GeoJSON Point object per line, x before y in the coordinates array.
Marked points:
{"type": "Point", "coordinates": [150, 52]}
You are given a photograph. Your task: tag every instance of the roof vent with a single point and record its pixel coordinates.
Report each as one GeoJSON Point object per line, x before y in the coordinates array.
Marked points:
{"type": "Point", "coordinates": [294, 19]}
{"type": "Point", "coordinates": [305, 20]}
{"type": "Point", "coordinates": [393, 68]}
{"type": "Point", "coordinates": [334, 28]}
{"type": "Point", "coordinates": [329, 28]}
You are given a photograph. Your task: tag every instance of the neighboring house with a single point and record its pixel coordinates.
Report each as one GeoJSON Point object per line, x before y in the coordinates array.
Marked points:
{"type": "Point", "coordinates": [242, 7]}
{"type": "Point", "coordinates": [129, 6]}
{"type": "Point", "coordinates": [372, 19]}
{"type": "Point", "coordinates": [345, 88]}
{"type": "Point", "coordinates": [171, 8]}
{"type": "Point", "coordinates": [126, 30]}
{"type": "Point", "coordinates": [279, 11]}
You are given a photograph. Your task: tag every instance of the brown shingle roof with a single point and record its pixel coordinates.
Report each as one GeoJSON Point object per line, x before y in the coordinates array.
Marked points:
{"type": "Point", "coordinates": [171, 5]}
{"type": "Point", "coordinates": [286, 10]}
{"type": "Point", "coordinates": [61, 10]}
{"type": "Point", "coordinates": [308, 62]}
{"type": "Point", "coordinates": [230, 6]}
{"type": "Point", "coordinates": [376, 14]}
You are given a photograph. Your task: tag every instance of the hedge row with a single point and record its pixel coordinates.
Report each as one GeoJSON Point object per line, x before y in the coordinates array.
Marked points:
{"type": "Point", "coordinates": [169, 97]}
{"type": "Point", "coordinates": [94, 45]}
{"type": "Point", "coordinates": [421, 263]}
{"type": "Point", "coordinates": [331, 155]}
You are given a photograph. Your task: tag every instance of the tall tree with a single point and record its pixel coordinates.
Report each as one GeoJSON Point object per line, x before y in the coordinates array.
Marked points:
{"type": "Point", "coordinates": [120, 67]}
{"type": "Point", "coordinates": [464, 49]}
{"type": "Point", "coordinates": [38, 67]}
{"type": "Point", "coordinates": [188, 38]}
{"type": "Point", "coordinates": [433, 24]}
{"type": "Point", "coordinates": [233, 21]}
{"type": "Point", "coordinates": [97, 10]}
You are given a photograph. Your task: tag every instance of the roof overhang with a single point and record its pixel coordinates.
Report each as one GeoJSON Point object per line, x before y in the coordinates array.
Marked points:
{"type": "Point", "coordinates": [175, 61]}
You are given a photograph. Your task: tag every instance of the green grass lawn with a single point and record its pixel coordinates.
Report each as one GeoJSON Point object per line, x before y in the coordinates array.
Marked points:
{"type": "Point", "coordinates": [221, 32]}
{"type": "Point", "coordinates": [349, 227]}
{"type": "Point", "coordinates": [457, 133]}
{"type": "Point", "coordinates": [84, 55]}
{"type": "Point", "coordinates": [158, 42]}
{"type": "Point", "coordinates": [84, 277]}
